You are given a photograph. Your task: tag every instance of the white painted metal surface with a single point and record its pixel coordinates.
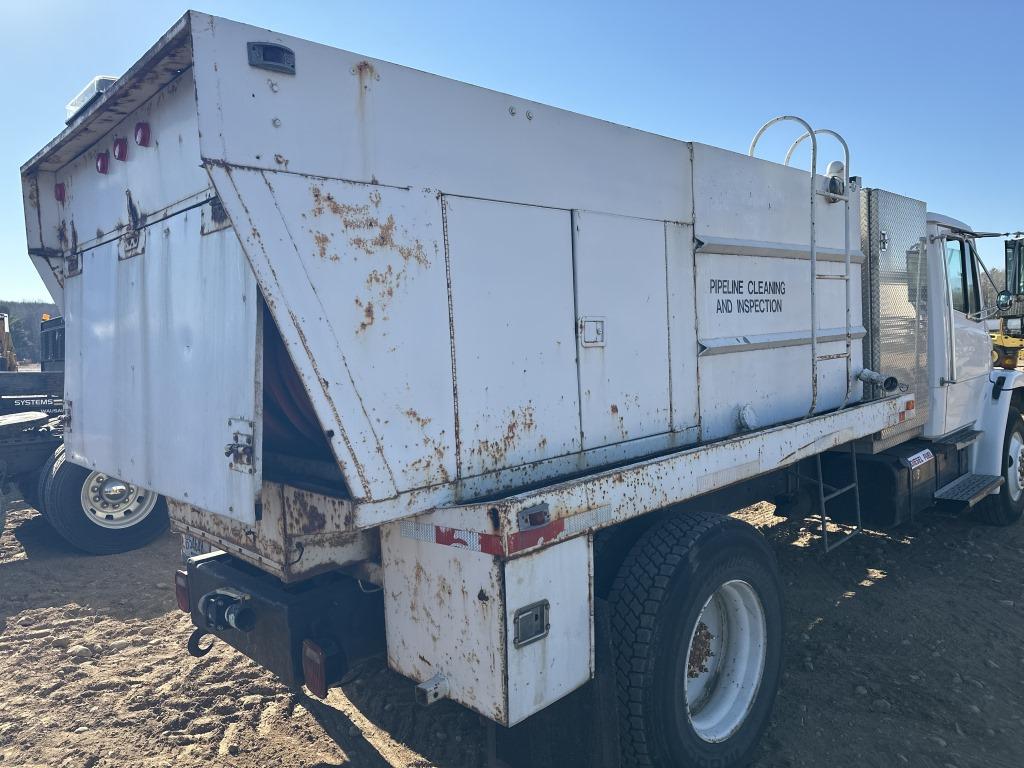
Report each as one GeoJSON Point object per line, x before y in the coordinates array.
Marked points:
{"type": "Point", "coordinates": [515, 350]}
{"type": "Point", "coordinates": [621, 279]}
{"type": "Point", "coordinates": [155, 368]}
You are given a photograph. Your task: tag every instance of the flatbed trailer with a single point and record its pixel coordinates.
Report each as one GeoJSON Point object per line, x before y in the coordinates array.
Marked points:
{"type": "Point", "coordinates": [450, 370]}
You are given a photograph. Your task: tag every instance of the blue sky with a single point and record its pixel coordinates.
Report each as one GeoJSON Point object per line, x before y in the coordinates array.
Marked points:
{"type": "Point", "coordinates": [928, 94]}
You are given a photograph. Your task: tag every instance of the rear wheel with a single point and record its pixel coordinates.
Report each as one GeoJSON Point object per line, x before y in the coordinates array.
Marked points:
{"type": "Point", "coordinates": [697, 637]}
{"type": "Point", "coordinates": [99, 513]}
{"type": "Point", "coordinates": [1006, 507]}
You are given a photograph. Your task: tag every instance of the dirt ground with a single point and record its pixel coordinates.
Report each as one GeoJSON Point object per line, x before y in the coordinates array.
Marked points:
{"type": "Point", "coordinates": [900, 650]}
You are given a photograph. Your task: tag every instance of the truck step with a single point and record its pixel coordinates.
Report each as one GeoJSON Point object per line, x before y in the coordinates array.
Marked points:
{"type": "Point", "coordinates": [969, 489]}
{"type": "Point", "coordinates": [961, 439]}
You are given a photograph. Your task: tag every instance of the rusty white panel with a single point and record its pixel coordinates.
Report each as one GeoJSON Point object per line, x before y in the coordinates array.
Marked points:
{"type": "Point", "coordinates": [161, 352]}
{"type": "Point", "coordinates": [654, 484]}
{"type": "Point", "coordinates": [444, 614]}
{"type": "Point", "coordinates": [374, 259]}
{"type": "Point", "coordinates": [151, 179]}
{"type": "Point", "coordinates": [299, 534]}
{"type": "Point", "coordinates": [543, 671]}
{"type": "Point", "coordinates": [682, 325]}
{"type": "Point", "coordinates": [515, 350]}
{"type": "Point", "coordinates": [300, 309]}
{"type": "Point", "coordinates": [621, 302]}
{"type": "Point", "coordinates": [396, 125]}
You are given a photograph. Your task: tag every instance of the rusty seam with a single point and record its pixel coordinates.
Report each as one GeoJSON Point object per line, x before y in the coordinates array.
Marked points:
{"type": "Point", "coordinates": [361, 473]}
{"type": "Point", "coordinates": [341, 354]}
{"type": "Point", "coordinates": [451, 329]}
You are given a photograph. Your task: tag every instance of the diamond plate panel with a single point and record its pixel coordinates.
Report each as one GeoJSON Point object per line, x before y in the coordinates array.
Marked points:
{"type": "Point", "coordinates": [896, 296]}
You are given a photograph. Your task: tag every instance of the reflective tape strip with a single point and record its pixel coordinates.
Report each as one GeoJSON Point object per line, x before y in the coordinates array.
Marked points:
{"type": "Point", "coordinates": [491, 543]}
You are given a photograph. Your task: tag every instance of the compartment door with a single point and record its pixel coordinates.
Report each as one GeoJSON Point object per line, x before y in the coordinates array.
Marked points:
{"type": "Point", "coordinates": [161, 365]}
{"type": "Point", "coordinates": [515, 351]}
{"type": "Point", "coordinates": [622, 327]}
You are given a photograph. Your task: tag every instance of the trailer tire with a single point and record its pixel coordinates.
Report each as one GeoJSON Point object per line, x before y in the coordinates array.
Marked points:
{"type": "Point", "coordinates": [685, 579]}
{"type": "Point", "coordinates": [43, 481]}
{"type": "Point", "coordinates": [65, 511]}
{"type": "Point", "coordinates": [1007, 506]}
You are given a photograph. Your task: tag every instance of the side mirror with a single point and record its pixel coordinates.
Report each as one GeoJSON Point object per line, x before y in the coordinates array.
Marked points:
{"type": "Point", "coordinates": [1004, 301]}
{"type": "Point", "coordinates": [1014, 262]}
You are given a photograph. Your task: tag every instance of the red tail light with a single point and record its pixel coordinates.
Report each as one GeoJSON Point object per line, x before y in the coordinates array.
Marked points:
{"type": "Point", "coordinates": [181, 590]}
{"type": "Point", "coordinates": [142, 134]}
{"type": "Point", "coordinates": [314, 668]}
{"type": "Point", "coordinates": [103, 162]}
{"type": "Point", "coordinates": [121, 149]}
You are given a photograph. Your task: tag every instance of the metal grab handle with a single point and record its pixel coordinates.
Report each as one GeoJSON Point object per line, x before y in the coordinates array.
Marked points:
{"type": "Point", "coordinates": [846, 242]}
{"type": "Point", "coordinates": [813, 243]}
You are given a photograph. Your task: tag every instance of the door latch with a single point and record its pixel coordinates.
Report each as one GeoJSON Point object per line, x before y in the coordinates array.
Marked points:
{"type": "Point", "coordinates": [592, 331]}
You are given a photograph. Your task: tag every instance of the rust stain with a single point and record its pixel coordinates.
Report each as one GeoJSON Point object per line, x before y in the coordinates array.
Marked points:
{"type": "Point", "coordinates": [281, 160]}
{"type": "Point", "coordinates": [74, 236]}
{"type": "Point", "coordinates": [322, 240]}
{"type": "Point", "coordinates": [421, 420]}
{"type": "Point", "coordinates": [520, 421]}
{"type": "Point", "coordinates": [367, 315]}
{"type": "Point", "coordinates": [62, 235]}
{"type": "Point", "coordinates": [700, 651]}
{"type": "Point", "coordinates": [615, 410]}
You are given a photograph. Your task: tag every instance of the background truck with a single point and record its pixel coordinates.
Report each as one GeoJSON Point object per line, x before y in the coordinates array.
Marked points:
{"type": "Point", "coordinates": [91, 510]}
{"type": "Point", "coordinates": [481, 379]}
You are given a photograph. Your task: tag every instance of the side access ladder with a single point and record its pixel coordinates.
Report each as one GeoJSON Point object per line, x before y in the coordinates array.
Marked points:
{"type": "Point", "coordinates": [825, 493]}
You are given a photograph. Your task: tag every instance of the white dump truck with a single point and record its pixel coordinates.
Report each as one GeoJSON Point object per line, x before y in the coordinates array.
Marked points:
{"type": "Point", "coordinates": [427, 361]}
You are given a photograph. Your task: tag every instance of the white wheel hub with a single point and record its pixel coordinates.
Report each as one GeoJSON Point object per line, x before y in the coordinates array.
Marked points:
{"type": "Point", "coordinates": [1015, 466]}
{"type": "Point", "coordinates": [725, 661]}
{"type": "Point", "coordinates": [112, 503]}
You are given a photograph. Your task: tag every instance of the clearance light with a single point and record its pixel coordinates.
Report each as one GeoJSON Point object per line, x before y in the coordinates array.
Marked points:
{"type": "Point", "coordinates": [103, 162]}
{"type": "Point", "coordinates": [60, 192]}
{"type": "Point", "coordinates": [142, 134]}
{"type": "Point", "coordinates": [121, 149]}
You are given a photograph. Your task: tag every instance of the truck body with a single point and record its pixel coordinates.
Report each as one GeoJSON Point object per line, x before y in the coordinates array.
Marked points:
{"type": "Point", "coordinates": [441, 340]}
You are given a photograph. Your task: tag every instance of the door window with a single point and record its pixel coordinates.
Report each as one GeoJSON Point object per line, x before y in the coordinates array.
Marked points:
{"type": "Point", "coordinates": [955, 273]}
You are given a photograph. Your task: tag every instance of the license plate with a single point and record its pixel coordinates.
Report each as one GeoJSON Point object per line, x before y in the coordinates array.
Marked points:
{"type": "Point", "coordinates": [191, 546]}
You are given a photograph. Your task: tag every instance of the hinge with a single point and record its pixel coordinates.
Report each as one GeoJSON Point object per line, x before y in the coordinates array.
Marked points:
{"type": "Point", "coordinates": [241, 451]}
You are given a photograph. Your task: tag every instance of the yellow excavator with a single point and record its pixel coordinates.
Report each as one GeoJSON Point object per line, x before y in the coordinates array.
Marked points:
{"type": "Point", "coordinates": [8, 361]}
{"type": "Point", "coordinates": [1008, 340]}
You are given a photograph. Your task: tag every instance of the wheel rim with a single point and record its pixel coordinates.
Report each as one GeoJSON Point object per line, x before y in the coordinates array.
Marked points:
{"type": "Point", "coordinates": [112, 503]}
{"type": "Point", "coordinates": [1015, 466]}
{"type": "Point", "coordinates": [725, 661]}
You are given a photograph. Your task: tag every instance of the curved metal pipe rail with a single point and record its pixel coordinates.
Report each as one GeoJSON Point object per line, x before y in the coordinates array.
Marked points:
{"type": "Point", "coordinates": [813, 243]}
{"type": "Point", "coordinates": [846, 239]}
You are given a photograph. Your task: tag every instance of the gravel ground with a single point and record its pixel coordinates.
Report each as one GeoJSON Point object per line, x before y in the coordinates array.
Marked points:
{"type": "Point", "coordinates": [905, 649]}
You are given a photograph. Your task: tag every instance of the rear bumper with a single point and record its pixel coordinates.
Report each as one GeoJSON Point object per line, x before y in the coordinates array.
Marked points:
{"type": "Point", "coordinates": [332, 610]}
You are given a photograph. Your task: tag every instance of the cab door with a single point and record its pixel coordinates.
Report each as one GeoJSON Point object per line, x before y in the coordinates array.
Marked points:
{"type": "Point", "coordinates": [970, 348]}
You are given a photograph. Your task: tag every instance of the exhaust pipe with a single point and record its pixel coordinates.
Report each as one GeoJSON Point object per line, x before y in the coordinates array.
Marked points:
{"type": "Point", "coordinates": [887, 383]}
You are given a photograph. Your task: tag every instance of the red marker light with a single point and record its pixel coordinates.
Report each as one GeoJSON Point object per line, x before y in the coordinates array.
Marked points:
{"type": "Point", "coordinates": [142, 134]}
{"type": "Point", "coordinates": [121, 149]}
{"type": "Point", "coordinates": [181, 590]}
{"type": "Point", "coordinates": [60, 192]}
{"type": "Point", "coordinates": [103, 162]}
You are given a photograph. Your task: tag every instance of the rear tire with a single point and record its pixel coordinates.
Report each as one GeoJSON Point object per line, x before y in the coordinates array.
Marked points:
{"type": "Point", "coordinates": [697, 638]}
{"type": "Point", "coordinates": [1006, 507]}
{"type": "Point", "coordinates": [65, 511]}
{"type": "Point", "coordinates": [43, 481]}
